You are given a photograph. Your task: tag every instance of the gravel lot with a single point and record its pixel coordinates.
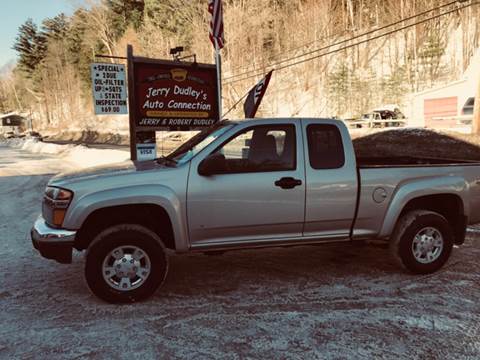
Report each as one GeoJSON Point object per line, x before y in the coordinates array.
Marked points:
{"type": "Point", "coordinates": [325, 302]}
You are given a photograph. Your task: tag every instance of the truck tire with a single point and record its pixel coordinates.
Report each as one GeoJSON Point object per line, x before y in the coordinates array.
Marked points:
{"type": "Point", "coordinates": [422, 241]}
{"type": "Point", "coordinates": [125, 263]}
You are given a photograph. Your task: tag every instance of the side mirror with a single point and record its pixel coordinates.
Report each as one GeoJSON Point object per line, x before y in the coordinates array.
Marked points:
{"type": "Point", "coordinates": [212, 164]}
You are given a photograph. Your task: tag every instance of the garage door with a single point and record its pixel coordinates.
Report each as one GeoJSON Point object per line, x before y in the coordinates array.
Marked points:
{"type": "Point", "coordinates": [440, 112]}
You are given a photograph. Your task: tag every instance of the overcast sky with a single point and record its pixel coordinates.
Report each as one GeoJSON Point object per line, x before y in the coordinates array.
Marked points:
{"type": "Point", "coordinates": [16, 12]}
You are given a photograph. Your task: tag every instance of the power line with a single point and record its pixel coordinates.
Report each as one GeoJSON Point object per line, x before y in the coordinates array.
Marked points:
{"type": "Point", "coordinates": [344, 41]}
{"type": "Point", "coordinates": [279, 54]}
{"type": "Point", "coordinates": [352, 45]}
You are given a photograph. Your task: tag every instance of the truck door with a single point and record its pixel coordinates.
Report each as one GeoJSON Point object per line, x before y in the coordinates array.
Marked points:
{"type": "Point", "coordinates": [331, 180]}
{"type": "Point", "coordinates": [259, 195]}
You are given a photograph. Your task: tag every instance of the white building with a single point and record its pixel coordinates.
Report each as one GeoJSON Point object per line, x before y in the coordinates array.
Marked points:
{"type": "Point", "coordinates": [11, 122]}
{"type": "Point", "coordinates": [441, 107]}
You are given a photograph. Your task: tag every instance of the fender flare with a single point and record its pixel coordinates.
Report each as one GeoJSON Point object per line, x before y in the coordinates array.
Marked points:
{"type": "Point", "coordinates": [444, 185]}
{"type": "Point", "coordinates": [159, 195]}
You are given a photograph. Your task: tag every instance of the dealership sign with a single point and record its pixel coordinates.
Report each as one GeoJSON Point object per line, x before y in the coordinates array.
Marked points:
{"type": "Point", "coordinates": [109, 89]}
{"type": "Point", "coordinates": [162, 95]}
{"type": "Point", "coordinates": [174, 95]}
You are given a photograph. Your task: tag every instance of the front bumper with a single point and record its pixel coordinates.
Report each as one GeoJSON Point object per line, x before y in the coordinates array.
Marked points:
{"type": "Point", "coordinates": [55, 244]}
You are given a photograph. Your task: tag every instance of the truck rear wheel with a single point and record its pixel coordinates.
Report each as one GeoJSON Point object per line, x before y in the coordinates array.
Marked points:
{"type": "Point", "coordinates": [422, 241]}
{"type": "Point", "coordinates": [125, 263]}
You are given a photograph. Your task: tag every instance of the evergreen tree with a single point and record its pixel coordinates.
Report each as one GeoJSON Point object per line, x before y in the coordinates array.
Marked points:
{"type": "Point", "coordinates": [430, 57]}
{"type": "Point", "coordinates": [56, 27]}
{"type": "Point", "coordinates": [338, 89]}
{"type": "Point", "coordinates": [79, 47]}
{"type": "Point", "coordinates": [173, 18]}
{"type": "Point", "coordinates": [394, 86]}
{"type": "Point", "coordinates": [30, 46]}
{"type": "Point", "coordinates": [125, 13]}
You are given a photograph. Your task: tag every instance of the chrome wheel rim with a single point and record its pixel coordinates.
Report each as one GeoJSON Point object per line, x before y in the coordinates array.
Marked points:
{"type": "Point", "coordinates": [427, 245]}
{"type": "Point", "coordinates": [126, 268]}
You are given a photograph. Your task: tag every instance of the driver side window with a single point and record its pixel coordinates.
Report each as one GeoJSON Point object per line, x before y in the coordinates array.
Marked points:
{"type": "Point", "coordinates": [261, 149]}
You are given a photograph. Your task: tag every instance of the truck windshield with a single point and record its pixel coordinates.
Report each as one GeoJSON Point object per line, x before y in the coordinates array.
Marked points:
{"type": "Point", "coordinates": [197, 143]}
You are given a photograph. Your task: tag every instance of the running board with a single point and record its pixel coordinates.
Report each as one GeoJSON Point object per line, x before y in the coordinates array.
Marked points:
{"type": "Point", "coordinates": [263, 243]}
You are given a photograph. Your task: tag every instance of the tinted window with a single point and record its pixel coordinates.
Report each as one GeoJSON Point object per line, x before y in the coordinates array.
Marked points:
{"type": "Point", "coordinates": [260, 149]}
{"type": "Point", "coordinates": [197, 143]}
{"type": "Point", "coordinates": [325, 148]}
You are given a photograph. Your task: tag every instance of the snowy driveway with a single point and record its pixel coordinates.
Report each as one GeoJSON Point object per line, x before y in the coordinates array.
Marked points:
{"type": "Point", "coordinates": [336, 301]}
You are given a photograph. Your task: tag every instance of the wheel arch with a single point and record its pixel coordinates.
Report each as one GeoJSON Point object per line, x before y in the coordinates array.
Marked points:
{"type": "Point", "coordinates": [152, 216]}
{"type": "Point", "coordinates": [449, 205]}
{"type": "Point", "coordinates": [129, 203]}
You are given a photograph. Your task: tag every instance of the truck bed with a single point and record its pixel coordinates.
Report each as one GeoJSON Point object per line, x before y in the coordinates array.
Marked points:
{"type": "Point", "coordinates": [401, 161]}
{"type": "Point", "coordinates": [389, 175]}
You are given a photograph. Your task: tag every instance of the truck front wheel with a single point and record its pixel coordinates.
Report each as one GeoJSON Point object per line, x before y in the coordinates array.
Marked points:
{"type": "Point", "coordinates": [422, 241]}
{"type": "Point", "coordinates": [125, 263]}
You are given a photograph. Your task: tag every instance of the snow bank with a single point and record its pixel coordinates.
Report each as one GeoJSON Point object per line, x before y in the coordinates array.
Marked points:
{"type": "Point", "coordinates": [180, 136]}
{"type": "Point", "coordinates": [80, 155]}
{"type": "Point", "coordinates": [37, 147]}
{"type": "Point", "coordinates": [86, 157]}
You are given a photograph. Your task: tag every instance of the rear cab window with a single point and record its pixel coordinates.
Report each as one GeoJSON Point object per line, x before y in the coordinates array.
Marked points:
{"type": "Point", "coordinates": [325, 147]}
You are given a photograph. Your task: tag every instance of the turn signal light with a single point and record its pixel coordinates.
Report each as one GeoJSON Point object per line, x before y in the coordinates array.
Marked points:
{"type": "Point", "coordinates": [58, 216]}
{"type": "Point", "coordinates": [56, 202]}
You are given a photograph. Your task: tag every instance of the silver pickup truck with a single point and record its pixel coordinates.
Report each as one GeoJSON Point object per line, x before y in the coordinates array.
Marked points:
{"type": "Point", "coordinates": [247, 184]}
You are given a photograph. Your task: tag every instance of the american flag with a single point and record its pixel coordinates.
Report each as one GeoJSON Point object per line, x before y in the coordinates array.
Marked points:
{"type": "Point", "coordinates": [216, 23]}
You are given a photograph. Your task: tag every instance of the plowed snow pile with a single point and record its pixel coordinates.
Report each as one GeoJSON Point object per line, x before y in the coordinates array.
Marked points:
{"type": "Point", "coordinates": [416, 142]}
{"type": "Point", "coordinates": [78, 155]}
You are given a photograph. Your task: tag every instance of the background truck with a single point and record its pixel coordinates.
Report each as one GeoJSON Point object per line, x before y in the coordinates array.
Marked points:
{"type": "Point", "coordinates": [248, 184]}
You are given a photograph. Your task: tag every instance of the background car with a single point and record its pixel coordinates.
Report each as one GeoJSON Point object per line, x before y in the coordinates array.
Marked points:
{"type": "Point", "coordinates": [33, 135]}
{"type": "Point", "coordinates": [468, 107]}
{"type": "Point", "coordinates": [9, 135]}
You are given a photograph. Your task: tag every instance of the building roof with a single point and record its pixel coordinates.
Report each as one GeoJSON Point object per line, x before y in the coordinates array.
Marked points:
{"type": "Point", "coordinates": [3, 116]}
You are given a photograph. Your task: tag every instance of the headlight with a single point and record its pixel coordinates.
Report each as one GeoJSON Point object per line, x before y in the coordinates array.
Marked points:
{"type": "Point", "coordinates": [56, 202]}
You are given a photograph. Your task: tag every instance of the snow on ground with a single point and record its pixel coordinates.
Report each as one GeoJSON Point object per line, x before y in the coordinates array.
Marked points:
{"type": "Point", "coordinates": [324, 302]}
{"type": "Point", "coordinates": [78, 155]}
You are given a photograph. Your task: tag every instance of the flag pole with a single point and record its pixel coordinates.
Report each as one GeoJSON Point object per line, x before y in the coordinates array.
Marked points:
{"type": "Point", "coordinates": [218, 64]}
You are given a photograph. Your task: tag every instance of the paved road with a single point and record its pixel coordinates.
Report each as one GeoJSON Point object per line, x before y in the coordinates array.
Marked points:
{"type": "Point", "coordinates": [330, 302]}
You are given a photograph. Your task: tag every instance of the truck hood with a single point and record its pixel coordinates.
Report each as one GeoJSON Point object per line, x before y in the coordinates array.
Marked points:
{"type": "Point", "coordinates": [122, 168]}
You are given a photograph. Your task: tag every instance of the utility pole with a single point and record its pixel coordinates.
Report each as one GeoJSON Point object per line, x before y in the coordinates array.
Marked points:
{"type": "Point", "coordinates": [218, 63]}
{"type": "Point", "coordinates": [476, 111]}
{"type": "Point", "coordinates": [131, 102]}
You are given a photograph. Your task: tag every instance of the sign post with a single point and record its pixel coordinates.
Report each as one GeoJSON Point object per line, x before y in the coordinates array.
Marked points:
{"type": "Point", "coordinates": [131, 102]}
{"type": "Point", "coordinates": [476, 111]}
{"type": "Point", "coordinates": [218, 63]}
{"type": "Point", "coordinates": [216, 37]}
{"type": "Point", "coordinates": [168, 95]}
{"type": "Point", "coordinates": [162, 95]}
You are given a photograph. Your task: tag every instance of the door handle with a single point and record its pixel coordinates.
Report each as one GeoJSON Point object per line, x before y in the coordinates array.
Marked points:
{"type": "Point", "coordinates": [288, 182]}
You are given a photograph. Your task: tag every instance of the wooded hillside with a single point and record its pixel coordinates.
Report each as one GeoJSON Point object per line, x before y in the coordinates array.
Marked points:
{"type": "Point", "coordinates": [51, 79]}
